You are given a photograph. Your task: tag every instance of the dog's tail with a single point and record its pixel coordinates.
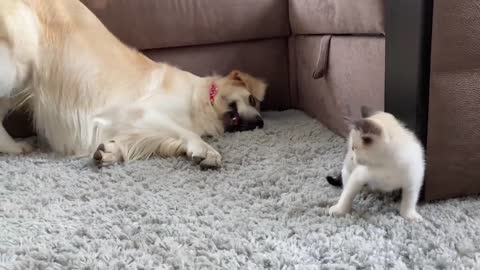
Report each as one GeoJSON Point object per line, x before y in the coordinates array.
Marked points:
{"type": "Point", "coordinates": [335, 181]}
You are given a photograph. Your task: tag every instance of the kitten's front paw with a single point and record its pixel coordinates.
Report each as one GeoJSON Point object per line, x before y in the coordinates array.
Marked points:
{"type": "Point", "coordinates": [338, 210]}
{"type": "Point", "coordinates": [411, 215]}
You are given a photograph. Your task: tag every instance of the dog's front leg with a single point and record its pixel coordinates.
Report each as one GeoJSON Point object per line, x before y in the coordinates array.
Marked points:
{"type": "Point", "coordinates": [163, 137]}
{"type": "Point", "coordinates": [190, 142]}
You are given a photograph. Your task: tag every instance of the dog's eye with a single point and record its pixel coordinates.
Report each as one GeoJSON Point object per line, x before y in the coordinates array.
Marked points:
{"type": "Point", "coordinates": [367, 140]}
{"type": "Point", "coordinates": [233, 106]}
{"type": "Point", "coordinates": [252, 101]}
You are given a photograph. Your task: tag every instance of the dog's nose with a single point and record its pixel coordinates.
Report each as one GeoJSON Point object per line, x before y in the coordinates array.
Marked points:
{"type": "Point", "coordinates": [259, 121]}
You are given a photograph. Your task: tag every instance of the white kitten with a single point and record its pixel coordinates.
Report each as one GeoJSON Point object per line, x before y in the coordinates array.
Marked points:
{"type": "Point", "coordinates": [384, 155]}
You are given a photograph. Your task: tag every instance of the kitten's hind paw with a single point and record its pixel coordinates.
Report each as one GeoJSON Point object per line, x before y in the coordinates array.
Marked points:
{"type": "Point", "coordinates": [338, 210]}
{"type": "Point", "coordinates": [412, 216]}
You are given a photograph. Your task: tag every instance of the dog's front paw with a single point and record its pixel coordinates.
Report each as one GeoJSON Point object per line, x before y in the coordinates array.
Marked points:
{"type": "Point", "coordinates": [212, 160]}
{"type": "Point", "coordinates": [338, 210]}
{"type": "Point", "coordinates": [411, 215]}
{"type": "Point", "coordinates": [107, 154]}
{"type": "Point", "coordinates": [205, 155]}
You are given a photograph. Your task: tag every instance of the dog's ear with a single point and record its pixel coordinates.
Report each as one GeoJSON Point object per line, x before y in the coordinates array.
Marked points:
{"type": "Point", "coordinates": [256, 86]}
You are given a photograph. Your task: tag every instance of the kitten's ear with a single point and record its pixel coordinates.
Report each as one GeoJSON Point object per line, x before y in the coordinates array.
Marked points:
{"type": "Point", "coordinates": [367, 111]}
{"type": "Point", "coordinates": [367, 126]}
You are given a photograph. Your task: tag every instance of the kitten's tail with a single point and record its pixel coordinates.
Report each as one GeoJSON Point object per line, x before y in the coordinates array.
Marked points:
{"type": "Point", "coordinates": [335, 181]}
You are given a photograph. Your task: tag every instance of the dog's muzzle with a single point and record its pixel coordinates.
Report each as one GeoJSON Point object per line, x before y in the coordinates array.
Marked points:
{"type": "Point", "coordinates": [233, 122]}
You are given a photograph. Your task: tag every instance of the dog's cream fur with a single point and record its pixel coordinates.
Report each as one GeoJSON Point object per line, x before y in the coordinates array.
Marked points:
{"type": "Point", "coordinates": [89, 93]}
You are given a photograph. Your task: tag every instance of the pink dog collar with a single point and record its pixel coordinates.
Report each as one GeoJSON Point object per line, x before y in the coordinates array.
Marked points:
{"type": "Point", "coordinates": [213, 92]}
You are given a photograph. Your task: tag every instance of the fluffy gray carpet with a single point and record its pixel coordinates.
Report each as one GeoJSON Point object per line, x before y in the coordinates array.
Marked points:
{"type": "Point", "coordinates": [265, 209]}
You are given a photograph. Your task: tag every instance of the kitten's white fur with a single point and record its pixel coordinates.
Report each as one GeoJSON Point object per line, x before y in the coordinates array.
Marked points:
{"type": "Point", "coordinates": [393, 160]}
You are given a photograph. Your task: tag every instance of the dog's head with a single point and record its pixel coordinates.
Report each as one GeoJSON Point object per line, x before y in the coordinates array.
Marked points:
{"type": "Point", "coordinates": [238, 101]}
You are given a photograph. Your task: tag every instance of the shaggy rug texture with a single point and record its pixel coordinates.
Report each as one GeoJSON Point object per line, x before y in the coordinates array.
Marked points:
{"type": "Point", "coordinates": [265, 209]}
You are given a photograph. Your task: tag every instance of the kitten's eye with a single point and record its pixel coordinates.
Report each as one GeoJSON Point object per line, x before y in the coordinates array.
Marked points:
{"type": "Point", "coordinates": [252, 101]}
{"type": "Point", "coordinates": [233, 106]}
{"type": "Point", "coordinates": [367, 140]}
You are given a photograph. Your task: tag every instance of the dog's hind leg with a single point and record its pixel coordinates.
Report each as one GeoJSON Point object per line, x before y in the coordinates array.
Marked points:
{"type": "Point", "coordinates": [160, 136]}
{"type": "Point", "coordinates": [7, 144]}
{"type": "Point", "coordinates": [136, 146]}
{"type": "Point", "coordinates": [8, 76]}
{"type": "Point", "coordinates": [8, 71]}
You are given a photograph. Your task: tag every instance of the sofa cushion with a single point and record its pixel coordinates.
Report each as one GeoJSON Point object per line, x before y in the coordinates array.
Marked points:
{"type": "Point", "coordinates": [337, 16]}
{"type": "Point", "coordinates": [148, 24]}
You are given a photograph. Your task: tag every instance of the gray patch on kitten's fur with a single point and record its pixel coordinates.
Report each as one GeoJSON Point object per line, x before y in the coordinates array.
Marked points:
{"type": "Point", "coordinates": [367, 127]}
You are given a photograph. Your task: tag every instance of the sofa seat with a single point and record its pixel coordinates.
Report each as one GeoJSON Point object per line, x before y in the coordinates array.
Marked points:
{"type": "Point", "coordinates": [337, 16]}
{"type": "Point", "coordinates": [154, 24]}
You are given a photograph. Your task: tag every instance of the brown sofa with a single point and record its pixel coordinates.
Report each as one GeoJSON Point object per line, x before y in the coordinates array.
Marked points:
{"type": "Point", "coordinates": [453, 129]}
{"type": "Point", "coordinates": [328, 57]}
{"type": "Point", "coordinates": [278, 40]}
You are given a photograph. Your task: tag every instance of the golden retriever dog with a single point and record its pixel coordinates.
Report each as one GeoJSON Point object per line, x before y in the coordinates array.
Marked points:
{"type": "Point", "coordinates": [89, 94]}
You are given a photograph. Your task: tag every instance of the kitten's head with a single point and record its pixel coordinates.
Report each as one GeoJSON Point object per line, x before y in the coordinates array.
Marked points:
{"type": "Point", "coordinates": [369, 136]}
